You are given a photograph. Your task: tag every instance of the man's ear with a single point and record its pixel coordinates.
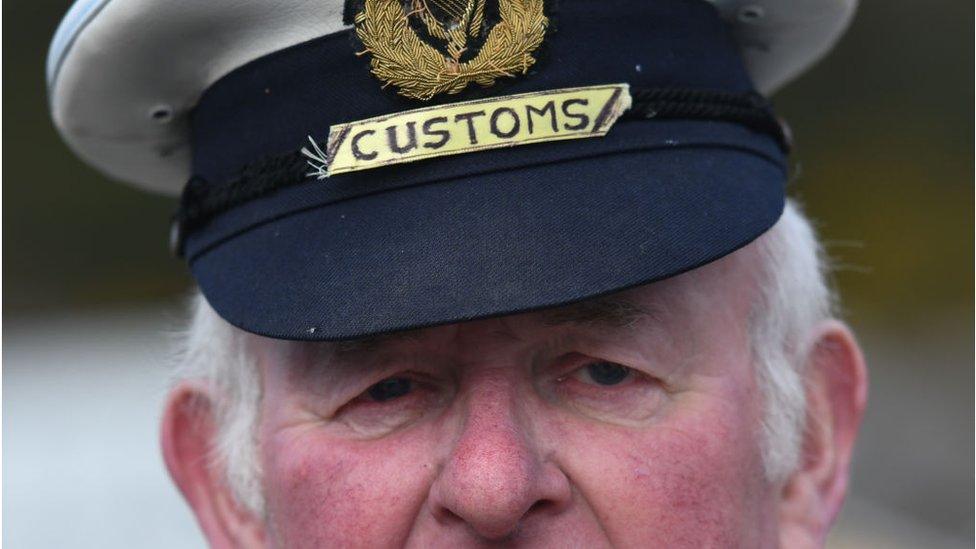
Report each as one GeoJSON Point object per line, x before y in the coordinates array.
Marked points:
{"type": "Point", "coordinates": [836, 391]}
{"type": "Point", "coordinates": [188, 441]}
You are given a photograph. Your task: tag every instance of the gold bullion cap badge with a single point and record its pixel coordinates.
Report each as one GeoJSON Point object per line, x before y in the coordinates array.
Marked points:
{"type": "Point", "coordinates": [448, 57]}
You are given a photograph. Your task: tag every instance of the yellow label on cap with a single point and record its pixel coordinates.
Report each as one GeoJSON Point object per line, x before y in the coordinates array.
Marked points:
{"type": "Point", "coordinates": [456, 128]}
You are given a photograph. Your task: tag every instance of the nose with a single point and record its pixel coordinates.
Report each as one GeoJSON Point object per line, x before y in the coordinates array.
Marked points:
{"type": "Point", "coordinates": [494, 479]}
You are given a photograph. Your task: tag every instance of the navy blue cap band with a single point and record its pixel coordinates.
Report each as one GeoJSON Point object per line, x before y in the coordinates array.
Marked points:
{"type": "Point", "coordinates": [201, 199]}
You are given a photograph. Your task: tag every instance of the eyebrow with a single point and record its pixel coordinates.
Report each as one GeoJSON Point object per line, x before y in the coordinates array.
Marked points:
{"type": "Point", "coordinates": [338, 357]}
{"type": "Point", "coordinates": [610, 312]}
{"type": "Point", "coordinates": [371, 343]}
{"type": "Point", "coordinates": [607, 312]}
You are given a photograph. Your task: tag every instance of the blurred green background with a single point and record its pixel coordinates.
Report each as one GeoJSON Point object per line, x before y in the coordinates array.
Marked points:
{"type": "Point", "coordinates": [884, 164]}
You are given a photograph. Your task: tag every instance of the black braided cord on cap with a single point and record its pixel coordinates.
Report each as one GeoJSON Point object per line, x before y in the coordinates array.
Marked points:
{"type": "Point", "coordinates": [749, 109]}
{"type": "Point", "coordinates": [202, 200]}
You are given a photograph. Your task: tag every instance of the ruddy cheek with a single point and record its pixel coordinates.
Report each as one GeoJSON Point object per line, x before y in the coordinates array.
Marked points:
{"type": "Point", "coordinates": [330, 493]}
{"type": "Point", "coordinates": [686, 484]}
{"type": "Point", "coordinates": [301, 485]}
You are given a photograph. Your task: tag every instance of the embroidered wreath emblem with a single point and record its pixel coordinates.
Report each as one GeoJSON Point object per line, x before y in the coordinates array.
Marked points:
{"type": "Point", "coordinates": [420, 71]}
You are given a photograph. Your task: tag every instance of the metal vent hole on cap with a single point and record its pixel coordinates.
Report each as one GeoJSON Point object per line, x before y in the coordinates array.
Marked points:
{"type": "Point", "coordinates": [751, 13]}
{"type": "Point", "coordinates": [161, 114]}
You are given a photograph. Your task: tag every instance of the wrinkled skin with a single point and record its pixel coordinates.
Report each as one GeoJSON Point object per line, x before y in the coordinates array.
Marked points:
{"type": "Point", "coordinates": [504, 432]}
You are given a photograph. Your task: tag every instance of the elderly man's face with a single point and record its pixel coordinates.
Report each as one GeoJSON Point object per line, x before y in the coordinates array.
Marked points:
{"type": "Point", "coordinates": [629, 421]}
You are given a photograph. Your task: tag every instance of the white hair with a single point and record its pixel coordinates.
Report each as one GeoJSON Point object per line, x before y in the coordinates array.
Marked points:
{"type": "Point", "coordinates": [793, 298]}
{"type": "Point", "coordinates": [216, 353]}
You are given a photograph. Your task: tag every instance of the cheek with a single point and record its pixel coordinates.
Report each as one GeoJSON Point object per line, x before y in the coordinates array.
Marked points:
{"type": "Point", "coordinates": [324, 492]}
{"type": "Point", "coordinates": [693, 480]}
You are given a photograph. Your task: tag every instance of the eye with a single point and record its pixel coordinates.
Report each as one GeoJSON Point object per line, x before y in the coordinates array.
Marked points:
{"type": "Point", "coordinates": [601, 373]}
{"type": "Point", "coordinates": [608, 391]}
{"type": "Point", "coordinates": [389, 389]}
{"type": "Point", "coordinates": [390, 404]}
{"type": "Point", "coordinates": [606, 373]}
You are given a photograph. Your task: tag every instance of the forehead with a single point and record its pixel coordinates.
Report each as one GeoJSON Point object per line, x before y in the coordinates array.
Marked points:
{"type": "Point", "coordinates": [717, 292]}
